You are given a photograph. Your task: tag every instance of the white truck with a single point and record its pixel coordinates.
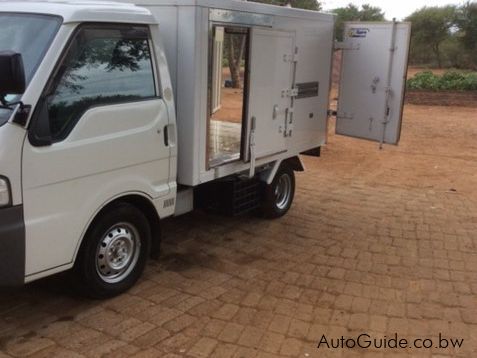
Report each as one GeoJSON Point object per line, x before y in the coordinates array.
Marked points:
{"type": "Point", "coordinates": [116, 116]}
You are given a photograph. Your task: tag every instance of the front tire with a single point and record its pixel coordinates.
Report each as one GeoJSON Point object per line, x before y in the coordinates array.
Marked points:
{"type": "Point", "coordinates": [114, 252]}
{"type": "Point", "coordinates": [278, 196]}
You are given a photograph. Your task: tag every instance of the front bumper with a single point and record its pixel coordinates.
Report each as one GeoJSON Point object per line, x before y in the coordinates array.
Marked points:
{"type": "Point", "coordinates": [12, 246]}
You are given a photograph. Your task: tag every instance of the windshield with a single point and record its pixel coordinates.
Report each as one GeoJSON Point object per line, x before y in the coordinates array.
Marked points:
{"type": "Point", "coordinates": [30, 35]}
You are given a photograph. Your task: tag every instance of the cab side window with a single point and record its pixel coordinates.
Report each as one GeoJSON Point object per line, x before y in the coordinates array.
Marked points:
{"type": "Point", "coordinates": [103, 66]}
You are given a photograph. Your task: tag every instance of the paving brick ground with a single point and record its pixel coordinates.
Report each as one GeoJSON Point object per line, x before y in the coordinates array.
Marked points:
{"type": "Point", "coordinates": [381, 242]}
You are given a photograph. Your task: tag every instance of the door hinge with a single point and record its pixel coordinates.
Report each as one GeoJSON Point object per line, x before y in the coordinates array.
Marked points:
{"type": "Point", "coordinates": [293, 92]}
{"type": "Point", "coordinates": [295, 55]}
{"type": "Point", "coordinates": [288, 58]}
{"type": "Point", "coordinates": [291, 58]}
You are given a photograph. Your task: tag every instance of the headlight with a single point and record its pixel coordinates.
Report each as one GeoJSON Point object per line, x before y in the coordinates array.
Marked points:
{"type": "Point", "coordinates": [5, 197]}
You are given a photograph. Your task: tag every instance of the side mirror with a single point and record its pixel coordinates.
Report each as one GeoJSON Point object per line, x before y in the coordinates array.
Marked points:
{"type": "Point", "coordinates": [12, 73]}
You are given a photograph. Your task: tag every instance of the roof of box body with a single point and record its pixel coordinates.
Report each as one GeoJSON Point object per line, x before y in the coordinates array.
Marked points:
{"type": "Point", "coordinates": [126, 11]}
{"type": "Point", "coordinates": [82, 11]}
{"type": "Point", "coordinates": [240, 5]}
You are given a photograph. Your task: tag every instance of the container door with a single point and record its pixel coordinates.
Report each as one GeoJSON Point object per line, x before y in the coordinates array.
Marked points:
{"type": "Point", "coordinates": [270, 92]}
{"type": "Point", "coordinates": [373, 80]}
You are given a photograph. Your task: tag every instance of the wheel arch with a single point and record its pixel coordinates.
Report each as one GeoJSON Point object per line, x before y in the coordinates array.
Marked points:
{"type": "Point", "coordinates": [295, 163]}
{"type": "Point", "coordinates": [139, 200]}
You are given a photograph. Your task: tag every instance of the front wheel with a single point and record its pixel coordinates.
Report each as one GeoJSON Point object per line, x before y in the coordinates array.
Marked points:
{"type": "Point", "coordinates": [114, 253]}
{"type": "Point", "coordinates": [278, 196]}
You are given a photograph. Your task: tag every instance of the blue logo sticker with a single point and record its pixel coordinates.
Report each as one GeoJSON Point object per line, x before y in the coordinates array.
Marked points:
{"type": "Point", "coordinates": [358, 32]}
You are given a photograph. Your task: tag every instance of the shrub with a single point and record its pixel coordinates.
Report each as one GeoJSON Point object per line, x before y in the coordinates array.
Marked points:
{"type": "Point", "coordinates": [450, 81]}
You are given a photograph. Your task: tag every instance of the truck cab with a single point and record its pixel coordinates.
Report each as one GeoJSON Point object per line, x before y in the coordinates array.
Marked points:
{"type": "Point", "coordinates": [96, 122]}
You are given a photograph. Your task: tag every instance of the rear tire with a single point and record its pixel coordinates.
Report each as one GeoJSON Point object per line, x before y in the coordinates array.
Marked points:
{"type": "Point", "coordinates": [278, 196]}
{"type": "Point", "coordinates": [114, 252]}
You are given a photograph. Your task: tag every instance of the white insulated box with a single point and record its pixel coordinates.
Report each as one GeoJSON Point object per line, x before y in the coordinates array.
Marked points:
{"type": "Point", "coordinates": [186, 28]}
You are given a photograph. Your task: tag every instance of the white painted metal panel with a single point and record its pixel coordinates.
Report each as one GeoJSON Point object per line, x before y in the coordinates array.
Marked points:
{"type": "Point", "coordinates": [373, 78]}
{"type": "Point", "coordinates": [315, 49]}
{"type": "Point", "coordinates": [73, 12]}
{"type": "Point", "coordinates": [271, 81]}
{"type": "Point", "coordinates": [242, 6]}
{"type": "Point", "coordinates": [113, 149]}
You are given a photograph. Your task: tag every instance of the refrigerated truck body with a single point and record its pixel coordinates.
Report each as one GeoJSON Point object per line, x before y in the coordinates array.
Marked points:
{"type": "Point", "coordinates": [116, 116]}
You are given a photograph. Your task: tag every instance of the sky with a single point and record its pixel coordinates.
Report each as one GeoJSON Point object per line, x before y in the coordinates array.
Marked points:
{"type": "Point", "coordinates": [392, 8]}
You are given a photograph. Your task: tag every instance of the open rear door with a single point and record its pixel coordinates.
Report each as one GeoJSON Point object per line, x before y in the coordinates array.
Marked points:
{"type": "Point", "coordinates": [373, 80]}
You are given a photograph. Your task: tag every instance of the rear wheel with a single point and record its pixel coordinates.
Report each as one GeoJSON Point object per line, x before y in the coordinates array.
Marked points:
{"type": "Point", "coordinates": [278, 196]}
{"type": "Point", "coordinates": [114, 253]}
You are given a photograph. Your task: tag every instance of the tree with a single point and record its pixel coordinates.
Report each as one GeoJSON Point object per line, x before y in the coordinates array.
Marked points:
{"type": "Point", "coordinates": [466, 21]}
{"type": "Point", "coordinates": [353, 13]}
{"type": "Point", "coordinates": [431, 27]}
{"type": "Point", "coordinates": [235, 46]}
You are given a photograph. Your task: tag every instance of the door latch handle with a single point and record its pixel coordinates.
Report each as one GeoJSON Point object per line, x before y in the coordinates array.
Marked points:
{"type": "Point", "coordinates": [169, 135]}
{"type": "Point", "coordinates": [166, 136]}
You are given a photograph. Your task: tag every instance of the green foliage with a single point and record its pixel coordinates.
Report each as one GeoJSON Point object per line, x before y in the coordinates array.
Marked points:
{"type": "Point", "coordinates": [353, 13]}
{"type": "Point", "coordinates": [451, 81]}
{"type": "Point", "coordinates": [467, 23]}
{"type": "Point", "coordinates": [301, 4]}
{"type": "Point", "coordinates": [424, 81]}
{"type": "Point", "coordinates": [431, 27]}
{"type": "Point", "coordinates": [445, 36]}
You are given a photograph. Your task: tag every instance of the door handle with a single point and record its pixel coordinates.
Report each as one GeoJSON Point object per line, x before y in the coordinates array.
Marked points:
{"type": "Point", "coordinates": [169, 136]}
{"type": "Point", "coordinates": [166, 136]}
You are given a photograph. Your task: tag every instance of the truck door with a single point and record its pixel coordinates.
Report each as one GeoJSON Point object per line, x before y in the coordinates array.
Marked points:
{"type": "Point", "coordinates": [106, 123]}
{"type": "Point", "coordinates": [270, 92]}
{"type": "Point", "coordinates": [373, 79]}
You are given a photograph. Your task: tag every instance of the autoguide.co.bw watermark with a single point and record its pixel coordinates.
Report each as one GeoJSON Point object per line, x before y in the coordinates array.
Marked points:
{"type": "Point", "coordinates": [365, 341]}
